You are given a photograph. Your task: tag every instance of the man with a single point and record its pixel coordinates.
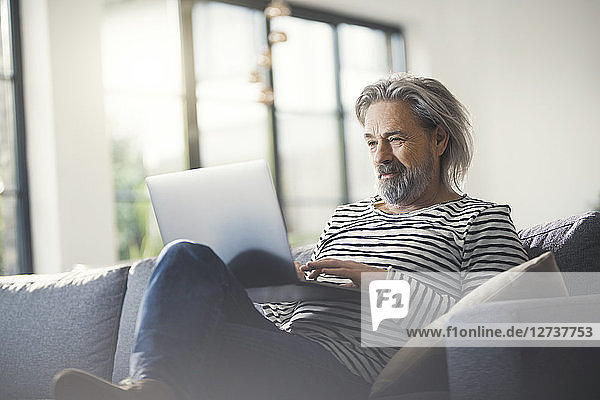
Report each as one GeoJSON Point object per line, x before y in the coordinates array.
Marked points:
{"type": "Point", "coordinates": [200, 336]}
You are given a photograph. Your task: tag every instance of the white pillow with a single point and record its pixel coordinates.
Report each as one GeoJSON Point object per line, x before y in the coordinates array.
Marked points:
{"type": "Point", "coordinates": [423, 369]}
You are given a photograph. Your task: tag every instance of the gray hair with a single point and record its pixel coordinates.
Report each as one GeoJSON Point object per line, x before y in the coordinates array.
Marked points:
{"type": "Point", "coordinates": [434, 106]}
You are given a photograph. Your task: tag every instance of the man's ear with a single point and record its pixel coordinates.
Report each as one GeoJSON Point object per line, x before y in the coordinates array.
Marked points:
{"type": "Point", "coordinates": [440, 137]}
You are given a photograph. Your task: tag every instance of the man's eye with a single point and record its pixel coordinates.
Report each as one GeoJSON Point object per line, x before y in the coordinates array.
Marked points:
{"type": "Point", "coordinates": [395, 139]}
{"type": "Point", "coordinates": [371, 143]}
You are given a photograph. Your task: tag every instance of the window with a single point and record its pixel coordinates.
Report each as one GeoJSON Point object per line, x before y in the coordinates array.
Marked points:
{"type": "Point", "coordinates": [144, 112]}
{"type": "Point", "coordinates": [308, 134]}
{"type": "Point", "coordinates": [15, 247]}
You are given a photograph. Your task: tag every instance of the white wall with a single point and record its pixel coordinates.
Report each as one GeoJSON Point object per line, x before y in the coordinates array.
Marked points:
{"type": "Point", "coordinates": [527, 72]}
{"type": "Point", "coordinates": [68, 154]}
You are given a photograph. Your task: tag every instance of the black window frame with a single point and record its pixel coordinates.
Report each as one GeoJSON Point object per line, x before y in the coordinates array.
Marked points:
{"type": "Point", "coordinates": [193, 134]}
{"type": "Point", "coordinates": [21, 193]}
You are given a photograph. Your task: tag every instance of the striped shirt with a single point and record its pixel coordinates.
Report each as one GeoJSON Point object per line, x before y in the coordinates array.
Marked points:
{"type": "Point", "coordinates": [472, 239]}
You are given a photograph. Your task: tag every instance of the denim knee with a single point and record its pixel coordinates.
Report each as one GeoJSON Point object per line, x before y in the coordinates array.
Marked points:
{"type": "Point", "coordinates": [186, 247]}
{"type": "Point", "coordinates": [184, 255]}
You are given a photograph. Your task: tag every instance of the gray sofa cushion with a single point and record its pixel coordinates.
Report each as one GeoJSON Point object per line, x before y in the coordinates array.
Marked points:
{"type": "Point", "coordinates": [302, 253]}
{"type": "Point", "coordinates": [139, 274]}
{"type": "Point", "coordinates": [52, 322]}
{"type": "Point", "coordinates": [574, 242]}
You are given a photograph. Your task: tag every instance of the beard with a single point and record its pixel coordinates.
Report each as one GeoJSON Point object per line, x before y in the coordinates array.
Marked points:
{"type": "Point", "coordinates": [407, 185]}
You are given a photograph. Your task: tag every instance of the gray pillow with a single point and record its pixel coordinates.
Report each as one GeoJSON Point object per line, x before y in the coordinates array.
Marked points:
{"type": "Point", "coordinates": [52, 322]}
{"type": "Point", "coordinates": [575, 242]}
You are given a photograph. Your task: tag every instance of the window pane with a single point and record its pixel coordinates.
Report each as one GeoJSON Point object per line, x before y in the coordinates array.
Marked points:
{"type": "Point", "coordinates": [303, 66]}
{"type": "Point", "coordinates": [5, 40]}
{"type": "Point", "coordinates": [305, 221]}
{"type": "Point", "coordinates": [153, 125]}
{"type": "Point", "coordinates": [361, 179]}
{"type": "Point", "coordinates": [141, 47]}
{"type": "Point", "coordinates": [136, 225]}
{"type": "Point", "coordinates": [310, 171]}
{"type": "Point", "coordinates": [9, 259]}
{"type": "Point", "coordinates": [310, 154]}
{"type": "Point", "coordinates": [147, 135]}
{"type": "Point", "coordinates": [398, 54]}
{"type": "Point", "coordinates": [227, 40]}
{"type": "Point", "coordinates": [372, 44]}
{"type": "Point", "coordinates": [7, 136]}
{"type": "Point", "coordinates": [359, 68]}
{"type": "Point", "coordinates": [3, 268]}
{"type": "Point", "coordinates": [233, 125]}
{"type": "Point", "coordinates": [144, 111]}
{"type": "Point", "coordinates": [232, 133]}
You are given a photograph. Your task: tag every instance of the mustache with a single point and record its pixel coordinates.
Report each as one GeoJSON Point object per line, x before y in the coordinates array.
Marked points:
{"type": "Point", "coordinates": [390, 168]}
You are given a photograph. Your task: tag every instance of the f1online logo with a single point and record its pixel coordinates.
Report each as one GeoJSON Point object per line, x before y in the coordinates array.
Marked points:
{"type": "Point", "coordinates": [389, 300]}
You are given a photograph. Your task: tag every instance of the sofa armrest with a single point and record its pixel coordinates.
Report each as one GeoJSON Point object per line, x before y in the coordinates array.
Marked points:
{"type": "Point", "coordinates": [526, 372]}
{"type": "Point", "coordinates": [137, 280]}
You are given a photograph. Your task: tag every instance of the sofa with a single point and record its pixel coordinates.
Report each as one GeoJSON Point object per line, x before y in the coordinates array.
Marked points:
{"type": "Point", "coordinates": [86, 319]}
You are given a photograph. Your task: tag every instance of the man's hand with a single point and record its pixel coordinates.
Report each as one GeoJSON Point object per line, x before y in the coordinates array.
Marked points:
{"type": "Point", "coordinates": [299, 271]}
{"type": "Point", "coordinates": [341, 268]}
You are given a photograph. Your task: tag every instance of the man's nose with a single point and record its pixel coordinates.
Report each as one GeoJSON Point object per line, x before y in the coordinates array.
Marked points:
{"type": "Point", "coordinates": [383, 153]}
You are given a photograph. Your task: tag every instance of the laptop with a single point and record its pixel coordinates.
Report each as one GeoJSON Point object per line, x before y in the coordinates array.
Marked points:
{"type": "Point", "coordinates": [234, 210]}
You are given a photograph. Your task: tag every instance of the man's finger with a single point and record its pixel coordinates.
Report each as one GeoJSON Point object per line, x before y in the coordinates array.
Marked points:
{"type": "Point", "coordinates": [315, 273]}
{"type": "Point", "coordinates": [330, 263]}
{"type": "Point", "coordinates": [299, 272]}
{"type": "Point", "coordinates": [342, 273]}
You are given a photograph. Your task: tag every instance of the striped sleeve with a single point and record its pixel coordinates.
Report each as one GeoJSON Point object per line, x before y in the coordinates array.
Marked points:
{"type": "Point", "coordinates": [319, 244]}
{"type": "Point", "coordinates": [491, 245]}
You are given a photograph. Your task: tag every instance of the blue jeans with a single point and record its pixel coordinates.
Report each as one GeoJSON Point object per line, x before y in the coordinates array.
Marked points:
{"type": "Point", "coordinates": [199, 332]}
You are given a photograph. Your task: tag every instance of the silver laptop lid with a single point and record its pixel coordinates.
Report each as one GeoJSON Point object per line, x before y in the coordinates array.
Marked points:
{"type": "Point", "coordinates": [233, 209]}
